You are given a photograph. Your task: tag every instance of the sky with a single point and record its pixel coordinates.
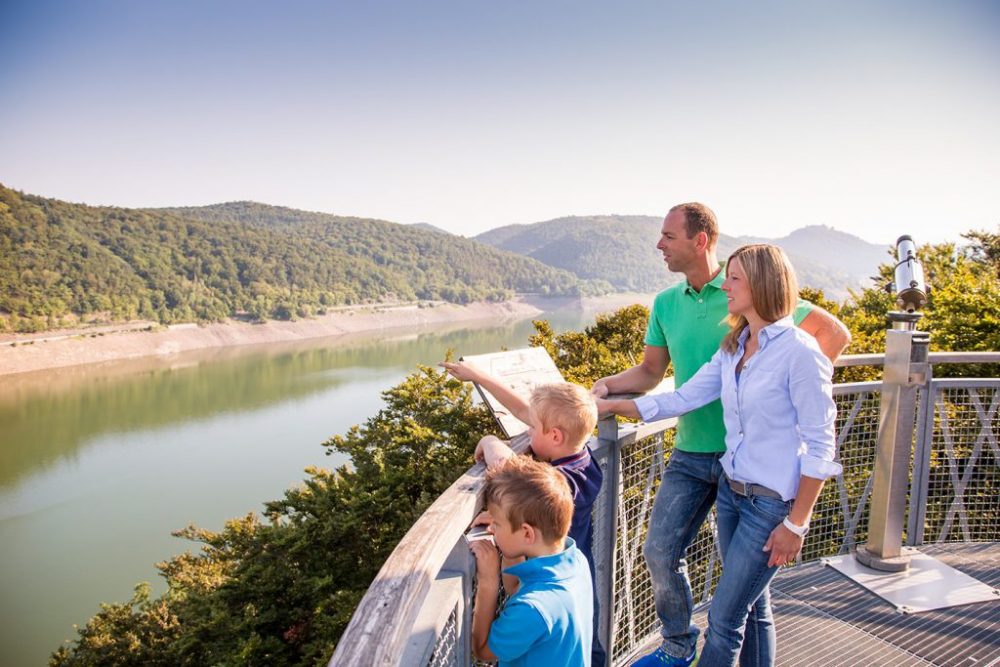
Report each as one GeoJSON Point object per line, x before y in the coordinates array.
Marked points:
{"type": "Point", "coordinates": [876, 118]}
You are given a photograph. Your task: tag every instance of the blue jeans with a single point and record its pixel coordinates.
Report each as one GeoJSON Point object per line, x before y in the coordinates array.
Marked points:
{"type": "Point", "coordinates": [686, 494]}
{"type": "Point", "coordinates": [741, 604]}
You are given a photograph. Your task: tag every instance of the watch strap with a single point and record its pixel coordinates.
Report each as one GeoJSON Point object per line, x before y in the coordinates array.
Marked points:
{"type": "Point", "coordinates": [798, 530]}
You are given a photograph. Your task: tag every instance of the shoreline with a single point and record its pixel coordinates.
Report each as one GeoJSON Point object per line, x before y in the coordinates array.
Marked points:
{"type": "Point", "coordinates": [134, 340]}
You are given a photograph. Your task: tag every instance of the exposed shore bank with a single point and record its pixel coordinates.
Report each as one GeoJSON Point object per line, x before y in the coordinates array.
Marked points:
{"type": "Point", "coordinates": [133, 340]}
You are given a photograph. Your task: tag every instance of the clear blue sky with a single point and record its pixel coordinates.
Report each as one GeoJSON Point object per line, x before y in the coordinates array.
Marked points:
{"type": "Point", "coordinates": [878, 118]}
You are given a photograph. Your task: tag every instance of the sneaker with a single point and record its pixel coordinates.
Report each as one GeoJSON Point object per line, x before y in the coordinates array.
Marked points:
{"type": "Point", "coordinates": [660, 658]}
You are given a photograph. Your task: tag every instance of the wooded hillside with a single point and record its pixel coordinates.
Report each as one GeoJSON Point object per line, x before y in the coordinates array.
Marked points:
{"type": "Point", "coordinates": [60, 262]}
{"type": "Point", "coordinates": [621, 249]}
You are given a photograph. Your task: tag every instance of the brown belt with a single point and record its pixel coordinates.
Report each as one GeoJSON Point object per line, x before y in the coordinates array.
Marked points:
{"type": "Point", "coordinates": [748, 489]}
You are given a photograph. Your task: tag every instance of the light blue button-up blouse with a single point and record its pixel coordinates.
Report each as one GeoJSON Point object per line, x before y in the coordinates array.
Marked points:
{"type": "Point", "coordinates": [779, 413]}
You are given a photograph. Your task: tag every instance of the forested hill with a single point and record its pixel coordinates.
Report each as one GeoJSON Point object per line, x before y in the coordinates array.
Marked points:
{"type": "Point", "coordinates": [61, 261]}
{"type": "Point", "coordinates": [621, 249]}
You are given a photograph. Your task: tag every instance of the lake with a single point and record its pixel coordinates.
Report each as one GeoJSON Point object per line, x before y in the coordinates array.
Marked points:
{"type": "Point", "coordinates": [98, 464]}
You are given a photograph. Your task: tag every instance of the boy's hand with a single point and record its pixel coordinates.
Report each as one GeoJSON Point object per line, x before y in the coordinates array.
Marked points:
{"type": "Point", "coordinates": [484, 518]}
{"type": "Point", "coordinates": [487, 562]}
{"type": "Point", "coordinates": [460, 371]}
{"type": "Point", "coordinates": [491, 449]}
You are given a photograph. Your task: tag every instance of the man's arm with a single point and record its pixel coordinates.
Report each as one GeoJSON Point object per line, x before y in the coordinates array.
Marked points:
{"type": "Point", "coordinates": [829, 332]}
{"type": "Point", "coordinates": [638, 379]}
{"type": "Point", "coordinates": [466, 373]}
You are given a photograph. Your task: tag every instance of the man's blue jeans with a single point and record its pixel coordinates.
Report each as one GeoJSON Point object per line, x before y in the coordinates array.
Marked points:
{"type": "Point", "coordinates": [741, 604]}
{"type": "Point", "coordinates": [686, 494]}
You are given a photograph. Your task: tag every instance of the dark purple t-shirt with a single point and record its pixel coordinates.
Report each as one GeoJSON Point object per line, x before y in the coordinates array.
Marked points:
{"type": "Point", "coordinates": [584, 477]}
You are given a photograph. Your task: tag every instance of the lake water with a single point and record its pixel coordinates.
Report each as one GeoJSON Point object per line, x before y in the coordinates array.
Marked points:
{"type": "Point", "coordinates": [98, 464]}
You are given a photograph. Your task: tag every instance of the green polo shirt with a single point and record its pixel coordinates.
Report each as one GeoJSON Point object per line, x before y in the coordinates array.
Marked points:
{"type": "Point", "coordinates": [691, 325]}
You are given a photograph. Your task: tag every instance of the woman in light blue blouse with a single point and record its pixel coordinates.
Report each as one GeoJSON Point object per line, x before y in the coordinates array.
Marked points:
{"type": "Point", "coordinates": [776, 391]}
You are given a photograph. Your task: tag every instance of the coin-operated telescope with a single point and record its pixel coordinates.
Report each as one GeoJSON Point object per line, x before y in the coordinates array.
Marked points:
{"type": "Point", "coordinates": [905, 369]}
{"type": "Point", "coordinates": [908, 285]}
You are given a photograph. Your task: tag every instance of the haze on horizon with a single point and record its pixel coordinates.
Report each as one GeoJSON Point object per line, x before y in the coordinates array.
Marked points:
{"type": "Point", "coordinates": [874, 118]}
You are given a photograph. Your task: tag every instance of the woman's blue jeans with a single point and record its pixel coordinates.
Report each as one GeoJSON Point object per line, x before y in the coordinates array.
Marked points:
{"type": "Point", "coordinates": [740, 624]}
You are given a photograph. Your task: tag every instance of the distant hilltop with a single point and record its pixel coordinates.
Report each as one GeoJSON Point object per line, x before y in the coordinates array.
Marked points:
{"type": "Point", "coordinates": [621, 250]}
{"type": "Point", "coordinates": [62, 262]}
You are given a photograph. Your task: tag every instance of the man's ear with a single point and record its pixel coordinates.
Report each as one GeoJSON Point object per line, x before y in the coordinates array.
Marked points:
{"type": "Point", "coordinates": [701, 240]}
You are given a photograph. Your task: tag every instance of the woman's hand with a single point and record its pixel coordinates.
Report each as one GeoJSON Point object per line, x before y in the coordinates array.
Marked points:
{"type": "Point", "coordinates": [783, 545]}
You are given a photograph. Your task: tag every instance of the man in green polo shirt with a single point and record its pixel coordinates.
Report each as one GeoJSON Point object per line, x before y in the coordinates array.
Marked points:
{"type": "Point", "coordinates": [686, 326]}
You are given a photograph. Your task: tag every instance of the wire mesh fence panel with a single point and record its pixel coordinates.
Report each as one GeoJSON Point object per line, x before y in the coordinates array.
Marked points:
{"type": "Point", "coordinates": [642, 466]}
{"type": "Point", "coordinates": [963, 488]}
{"type": "Point", "coordinates": [446, 650]}
{"type": "Point", "coordinates": [840, 516]}
{"type": "Point", "coordinates": [634, 621]}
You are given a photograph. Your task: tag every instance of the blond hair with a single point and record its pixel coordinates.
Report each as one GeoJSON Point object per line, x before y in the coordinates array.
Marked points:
{"type": "Point", "coordinates": [774, 289]}
{"type": "Point", "coordinates": [568, 407]}
{"type": "Point", "coordinates": [533, 493]}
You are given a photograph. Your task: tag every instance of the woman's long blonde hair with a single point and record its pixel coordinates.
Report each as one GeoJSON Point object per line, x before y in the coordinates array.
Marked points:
{"type": "Point", "coordinates": [774, 290]}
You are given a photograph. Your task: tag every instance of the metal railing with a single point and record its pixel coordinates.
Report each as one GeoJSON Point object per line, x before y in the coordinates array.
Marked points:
{"type": "Point", "coordinates": [418, 610]}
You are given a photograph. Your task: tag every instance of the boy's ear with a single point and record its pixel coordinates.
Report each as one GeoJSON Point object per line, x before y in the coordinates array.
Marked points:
{"type": "Point", "coordinates": [558, 435]}
{"type": "Point", "coordinates": [528, 533]}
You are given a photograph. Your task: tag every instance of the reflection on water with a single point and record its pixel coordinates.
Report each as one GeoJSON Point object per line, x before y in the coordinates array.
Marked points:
{"type": "Point", "coordinates": [99, 463]}
{"type": "Point", "coordinates": [48, 415]}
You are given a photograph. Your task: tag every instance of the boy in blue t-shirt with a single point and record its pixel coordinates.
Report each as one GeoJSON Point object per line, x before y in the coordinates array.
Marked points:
{"type": "Point", "coordinates": [560, 417]}
{"type": "Point", "coordinates": [548, 622]}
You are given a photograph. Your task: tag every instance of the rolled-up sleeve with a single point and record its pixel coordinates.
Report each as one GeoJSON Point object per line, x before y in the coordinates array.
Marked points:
{"type": "Point", "coordinates": [811, 393]}
{"type": "Point", "coordinates": [703, 388]}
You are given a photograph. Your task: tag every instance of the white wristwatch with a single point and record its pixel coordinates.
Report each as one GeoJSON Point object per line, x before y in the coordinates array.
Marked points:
{"type": "Point", "coordinates": [798, 530]}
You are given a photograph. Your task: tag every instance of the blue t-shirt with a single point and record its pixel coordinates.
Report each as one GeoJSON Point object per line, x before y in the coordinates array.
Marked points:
{"type": "Point", "coordinates": [549, 620]}
{"type": "Point", "coordinates": [584, 477]}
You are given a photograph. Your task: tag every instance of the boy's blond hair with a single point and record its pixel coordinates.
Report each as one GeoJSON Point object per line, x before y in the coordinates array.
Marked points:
{"type": "Point", "coordinates": [531, 492]}
{"type": "Point", "coordinates": [568, 407]}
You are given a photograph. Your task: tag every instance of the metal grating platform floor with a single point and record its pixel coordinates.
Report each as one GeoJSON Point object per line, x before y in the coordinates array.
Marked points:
{"type": "Point", "coordinates": [822, 618]}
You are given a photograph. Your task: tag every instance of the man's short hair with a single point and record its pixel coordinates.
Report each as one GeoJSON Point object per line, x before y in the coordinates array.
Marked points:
{"type": "Point", "coordinates": [566, 406]}
{"type": "Point", "coordinates": [531, 492]}
{"type": "Point", "coordinates": [699, 218]}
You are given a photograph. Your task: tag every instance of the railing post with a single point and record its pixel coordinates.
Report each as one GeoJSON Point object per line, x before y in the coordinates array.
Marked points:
{"type": "Point", "coordinates": [607, 434]}
{"type": "Point", "coordinates": [921, 462]}
{"type": "Point", "coordinates": [905, 369]}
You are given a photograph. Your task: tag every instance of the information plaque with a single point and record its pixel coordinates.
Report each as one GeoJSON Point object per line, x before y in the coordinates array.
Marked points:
{"type": "Point", "coordinates": [521, 370]}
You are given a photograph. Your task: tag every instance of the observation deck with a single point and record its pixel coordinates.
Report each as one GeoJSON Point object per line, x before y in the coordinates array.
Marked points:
{"type": "Point", "coordinates": [418, 609]}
